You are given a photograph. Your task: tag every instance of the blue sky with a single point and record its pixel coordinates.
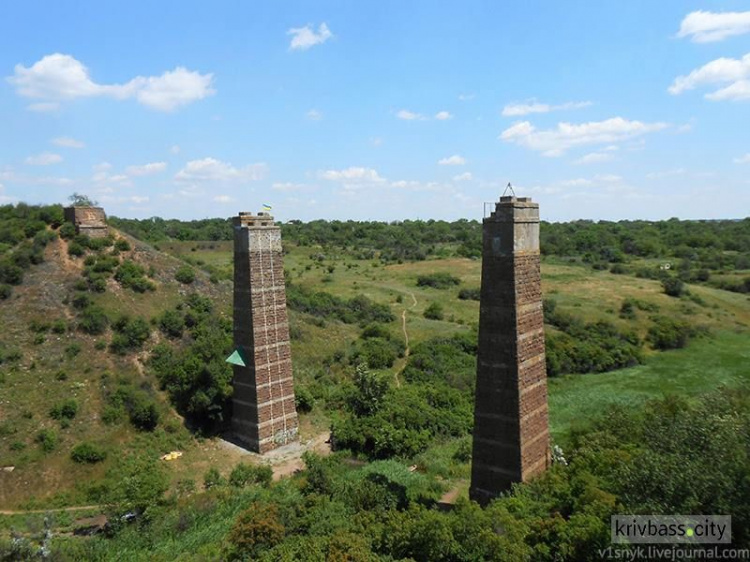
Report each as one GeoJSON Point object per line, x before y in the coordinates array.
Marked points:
{"type": "Point", "coordinates": [378, 110]}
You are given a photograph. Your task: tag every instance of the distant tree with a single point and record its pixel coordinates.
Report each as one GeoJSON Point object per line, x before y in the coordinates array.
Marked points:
{"type": "Point", "coordinates": [80, 200]}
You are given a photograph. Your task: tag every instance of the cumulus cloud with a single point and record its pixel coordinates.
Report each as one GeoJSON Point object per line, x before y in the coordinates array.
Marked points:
{"type": "Point", "coordinates": [466, 176]}
{"type": "Point", "coordinates": [443, 116]}
{"type": "Point", "coordinates": [407, 115]}
{"type": "Point", "coordinates": [665, 173]}
{"type": "Point", "coordinates": [314, 115]}
{"type": "Point", "coordinates": [352, 174]}
{"type": "Point", "coordinates": [733, 72]}
{"type": "Point", "coordinates": [146, 169]}
{"type": "Point", "coordinates": [743, 159]}
{"type": "Point", "coordinates": [44, 159]}
{"type": "Point", "coordinates": [707, 27]}
{"type": "Point", "coordinates": [223, 199]}
{"type": "Point", "coordinates": [594, 158]}
{"type": "Point", "coordinates": [213, 170]}
{"type": "Point", "coordinates": [60, 77]}
{"type": "Point", "coordinates": [68, 142]}
{"type": "Point", "coordinates": [454, 160]}
{"type": "Point", "coordinates": [554, 142]}
{"type": "Point", "coordinates": [43, 107]}
{"type": "Point", "coordinates": [305, 37]}
{"type": "Point", "coordinates": [519, 109]}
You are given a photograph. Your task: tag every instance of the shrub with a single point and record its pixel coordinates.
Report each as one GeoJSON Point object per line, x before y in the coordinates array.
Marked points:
{"type": "Point", "coordinates": [73, 350]}
{"type": "Point", "coordinates": [131, 275]}
{"type": "Point", "coordinates": [5, 291]}
{"type": "Point", "coordinates": [76, 249]}
{"type": "Point", "coordinates": [88, 453]}
{"type": "Point", "coordinates": [172, 323]}
{"type": "Point", "coordinates": [627, 309]}
{"type": "Point", "coordinates": [212, 478]}
{"type": "Point", "coordinates": [67, 231]}
{"type": "Point", "coordinates": [59, 326]}
{"type": "Point", "coordinates": [185, 274]}
{"type": "Point", "coordinates": [469, 294]}
{"type": "Point", "coordinates": [47, 440]}
{"type": "Point", "coordinates": [65, 410]}
{"type": "Point", "coordinates": [244, 474]}
{"type": "Point", "coordinates": [303, 400]}
{"type": "Point", "coordinates": [93, 320]}
{"type": "Point", "coordinates": [438, 280]}
{"type": "Point", "coordinates": [434, 312]}
{"type": "Point", "coordinates": [144, 415]}
{"type": "Point", "coordinates": [256, 529]}
{"type": "Point", "coordinates": [668, 333]}
{"type": "Point", "coordinates": [131, 334]}
{"type": "Point", "coordinates": [673, 286]}
{"type": "Point", "coordinates": [10, 274]}
{"type": "Point", "coordinates": [122, 245]}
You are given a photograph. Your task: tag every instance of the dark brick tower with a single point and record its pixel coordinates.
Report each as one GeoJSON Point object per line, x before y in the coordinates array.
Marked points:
{"type": "Point", "coordinates": [511, 433]}
{"type": "Point", "coordinates": [264, 415]}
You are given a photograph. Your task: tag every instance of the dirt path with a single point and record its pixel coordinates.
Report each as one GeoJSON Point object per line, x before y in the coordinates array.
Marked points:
{"type": "Point", "coordinates": [407, 351]}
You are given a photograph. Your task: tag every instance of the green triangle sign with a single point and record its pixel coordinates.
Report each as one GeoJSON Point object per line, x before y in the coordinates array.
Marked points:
{"type": "Point", "coordinates": [236, 359]}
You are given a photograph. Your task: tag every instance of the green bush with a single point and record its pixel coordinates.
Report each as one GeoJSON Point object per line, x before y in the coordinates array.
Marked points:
{"type": "Point", "coordinates": [438, 280]}
{"type": "Point", "coordinates": [131, 334]}
{"type": "Point", "coordinates": [434, 311]}
{"type": "Point", "coordinates": [172, 323]}
{"type": "Point", "coordinates": [67, 231]}
{"type": "Point", "coordinates": [303, 400]}
{"type": "Point", "coordinates": [669, 333]}
{"type": "Point", "coordinates": [185, 274]}
{"type": "Point", "coordinates": [131, 275]}
{"type": "Point", "coordinates": [212, 479]}
{"type": "Point", "coordinates": [246, 474]}
{"type": "Point", "coordinates": [673, 287]}
{"type": "Point", "coordinates": [93, 320]}
{"type": "Point", "coordinates": [5, 291]}
{"type": "Point", "coordinates": [47, 440]}
{"type": "Point", "coordinates": [469, 294]}
{"type": "Point", "coordinates": [256, 530]}
{"type": "Point", "coordinates": [122, 245]}
{"type": "Point", "coordinates": [88, 453]}
{"type": "Point", "coordinates": [76, 249]}
{"type": "Point", "coordinates": [65, 410]}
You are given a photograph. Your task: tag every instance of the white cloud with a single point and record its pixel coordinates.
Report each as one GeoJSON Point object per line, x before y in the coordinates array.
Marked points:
{"type": "Point", "coordinates": [175, 149]}
{"type": "Point", "coordinates": [68, 142]}
{"type": "Point", "coordinates": [305, 37]}
{"type": "Point", "coordinates": [466, 176]}
{"type": "Point", "coordinates": [554, 142]}
{"type": "Point", "coordinates": [101, 167]}
{"type": "Point", "coordinates": [44, 159]}
{"type": "Point", "coordinates": [60, 77]}
{"type": "Point", "coordinates": [407, 115]}
{"type": "Point", "coordinates": [43, 107]}
{"type": "Point", "coordinates": [443, 116]}
{"type": "Point", "coordinates": [454, 160]}
{"type": "Point", "coordinates": [223, 199]}
{"type": "Point", "coordinates": [174, 89]}
{"type": "Point", "coordinates": [519, 109]}
{"type": "Point", "coordinates": [743, 159]}
{"type": "Point", "coordinates": [146, 169]}
{"type": "Point", "coordinates": [665, 173]}
{"type": "Point", "coordinates": [735, 72]}
{"type": "Point", "coordinates": [707, 27]}
{"type": "Point", "coordinates": [578, 182]}
{"type": "Point", "coordinates": [594, 158]}
{"type": "Point", "coordinates": [211, 169]}
{"type": "Point", "coordinates": [352, 174]}
{"type": "Point", "coordinates": [314, 115]}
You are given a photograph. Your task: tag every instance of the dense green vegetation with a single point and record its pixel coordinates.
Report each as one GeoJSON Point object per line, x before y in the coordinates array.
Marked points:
{"type": "Point", "coordinates": [627, 461]}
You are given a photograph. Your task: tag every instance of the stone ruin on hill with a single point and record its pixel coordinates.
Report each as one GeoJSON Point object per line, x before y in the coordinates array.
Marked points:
{"type": "Point", "coordinates": [88, 220]}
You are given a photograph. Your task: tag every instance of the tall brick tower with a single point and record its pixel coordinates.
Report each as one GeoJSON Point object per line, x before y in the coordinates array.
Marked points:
{"type": "Point", "coordinates": [264, 415]}
{"type": "Point", "coordinates": [511, 433]}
